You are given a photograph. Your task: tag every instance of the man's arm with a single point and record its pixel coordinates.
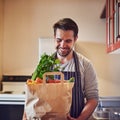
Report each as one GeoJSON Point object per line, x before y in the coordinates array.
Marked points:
{"type": "Point", "coordinates": [24, 116]}
{"type": "Point", "coordinates": [87, 110]}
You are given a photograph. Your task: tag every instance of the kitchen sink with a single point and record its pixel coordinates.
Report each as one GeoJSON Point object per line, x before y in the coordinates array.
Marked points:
{"type": "Point", "coordinates": [108, 108]}
{"type": "Point", "coordinates": [101, 115]}
{"type": "Point", "coordinates": [107, 114]}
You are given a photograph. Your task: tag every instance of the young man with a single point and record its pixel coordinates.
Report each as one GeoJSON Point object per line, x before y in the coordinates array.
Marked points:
{"type": "Point", "coordinates": [75, 65]}
{"type": "Point", "coordinates": [85, 90]}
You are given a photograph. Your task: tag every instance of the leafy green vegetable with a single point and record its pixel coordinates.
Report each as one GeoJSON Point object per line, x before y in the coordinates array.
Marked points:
{"type": "Point", "coordinates": [72, 79]}
{"type": "Point", "coordinates": [47, 63]}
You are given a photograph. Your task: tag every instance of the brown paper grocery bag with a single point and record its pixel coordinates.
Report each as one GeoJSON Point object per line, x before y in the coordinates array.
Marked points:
{"type": "Point", "coordinates": [48, 101]}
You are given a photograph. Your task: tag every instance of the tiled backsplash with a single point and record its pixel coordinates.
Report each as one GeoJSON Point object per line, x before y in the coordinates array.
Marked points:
{"type": "Point", "coordinates": [14, 84]}
{"type": "Point", "coordinates": [14, 87]}
{"type": "Point", "coordinates": [13, 78]}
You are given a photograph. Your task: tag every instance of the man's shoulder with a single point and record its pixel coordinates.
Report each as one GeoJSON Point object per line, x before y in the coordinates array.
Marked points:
{"type": "Point", "coordinates": [82, 57]}
{"type": "Point", "coordinates": [84, 62]}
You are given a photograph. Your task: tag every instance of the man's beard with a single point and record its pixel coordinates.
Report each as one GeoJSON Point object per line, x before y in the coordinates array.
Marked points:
{"type": "Point", "coordinates": [63, 54]}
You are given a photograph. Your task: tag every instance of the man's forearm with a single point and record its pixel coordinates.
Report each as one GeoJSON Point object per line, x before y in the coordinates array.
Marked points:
{"type": "Point", "coordinates": [88, 109]}
{"type": "Point", "coordinates": [24, 116]}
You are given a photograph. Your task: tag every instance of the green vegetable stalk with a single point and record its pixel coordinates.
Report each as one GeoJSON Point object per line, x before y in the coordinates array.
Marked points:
{"type": "Point", "coordinates": [72, 79]}
{"type": "Point", "coordinates": [47, 63]}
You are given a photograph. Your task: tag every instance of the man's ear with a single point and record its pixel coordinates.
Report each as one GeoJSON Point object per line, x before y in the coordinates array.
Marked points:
{"type": "Point", "coordinates": [76, 38]}
{"type": "Point", "coordinates": [54, 36]}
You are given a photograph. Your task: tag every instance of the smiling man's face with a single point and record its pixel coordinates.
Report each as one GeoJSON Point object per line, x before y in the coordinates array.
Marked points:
{"type": "Point", "coordinates": [64, 41]}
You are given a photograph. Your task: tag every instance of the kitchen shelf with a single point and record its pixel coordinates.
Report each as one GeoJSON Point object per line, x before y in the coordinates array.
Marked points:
{"type": "Point", "coordinates": [112, 26]}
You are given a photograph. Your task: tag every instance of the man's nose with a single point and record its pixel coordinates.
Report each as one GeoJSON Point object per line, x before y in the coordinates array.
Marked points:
{"type": "Point", "coordinates": [63, 43]}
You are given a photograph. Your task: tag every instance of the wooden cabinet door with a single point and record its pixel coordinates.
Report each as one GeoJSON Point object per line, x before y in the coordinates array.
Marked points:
{"type": "Point", "coordinates": [113, 26]}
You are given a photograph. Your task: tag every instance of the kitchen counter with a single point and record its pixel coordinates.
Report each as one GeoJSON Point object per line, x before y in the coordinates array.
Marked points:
{"type": "Point", "coordinates": [108, 108]}
{"type": "Point", "coordinates": [8, 99]}
{"type": "Point", "coordinates": [12, 100]}
{"type": "Point", "coordinates": [13, 93]}
{"type": "Point", "coordinates": [11, 106]}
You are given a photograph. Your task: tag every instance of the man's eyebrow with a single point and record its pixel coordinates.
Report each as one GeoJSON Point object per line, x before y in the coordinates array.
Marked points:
{"type": "Point", "coordinates": [59, 38]}
{"type": "Point", "coordinates": [67, 40]}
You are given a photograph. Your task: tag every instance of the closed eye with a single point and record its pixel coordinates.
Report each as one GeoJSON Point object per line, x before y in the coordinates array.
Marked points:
{"type": "Point", "coordinates": [58, 40]}
{"type": "Point", "coordinates": [66, 41]}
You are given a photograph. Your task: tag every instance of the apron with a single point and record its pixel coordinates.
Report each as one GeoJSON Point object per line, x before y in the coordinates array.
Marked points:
{"type": "Point", "coordinates": [77, 104]}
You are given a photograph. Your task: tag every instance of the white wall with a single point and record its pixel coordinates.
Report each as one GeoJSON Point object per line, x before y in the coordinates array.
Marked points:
{"type": "Point", "coordinates": [27, 20]}
{"type": "Point", "coordinates": [1, 35]}
{"type": "Point", "coordinates": [106, 65]}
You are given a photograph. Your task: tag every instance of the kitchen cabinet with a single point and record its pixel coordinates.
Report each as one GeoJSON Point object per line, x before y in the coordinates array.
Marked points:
{"type": "Point", "coordinates": [113, 26]}
{"type": "Point", "coordinates": [11, 112]}
{"type": "Point", "coordinates": [12, 97]}
{"type": "Point", "coordinates": [11, 106]}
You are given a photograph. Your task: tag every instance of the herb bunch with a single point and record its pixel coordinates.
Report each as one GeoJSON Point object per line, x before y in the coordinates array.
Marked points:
{"type": "Point", "coordinates": [47, 63]}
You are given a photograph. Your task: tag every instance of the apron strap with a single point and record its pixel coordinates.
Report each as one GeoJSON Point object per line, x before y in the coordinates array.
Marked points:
{"type": "Point", "coordinates": [77, 94]}
{"type": "Point", "coordinates": [77, 104]}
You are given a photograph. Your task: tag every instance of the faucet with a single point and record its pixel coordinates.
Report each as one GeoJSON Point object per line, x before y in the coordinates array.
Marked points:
{"type": "Point", "coordinates": [100, 106]}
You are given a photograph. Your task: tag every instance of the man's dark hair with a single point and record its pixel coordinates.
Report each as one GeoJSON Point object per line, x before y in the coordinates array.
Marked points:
{"type": "Point", "coordinates": [66, 24]}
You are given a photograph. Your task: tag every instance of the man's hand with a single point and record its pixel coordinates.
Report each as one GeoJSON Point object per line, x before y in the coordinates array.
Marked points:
{"type": "Point", "coordinates": [70, 118]}
{"type": "Point", "coordinates": [87, 110]}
